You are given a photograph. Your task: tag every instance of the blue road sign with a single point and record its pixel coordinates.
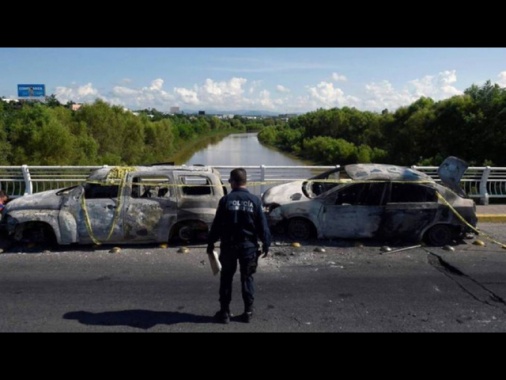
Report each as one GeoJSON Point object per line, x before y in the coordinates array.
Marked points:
{"type": "Point", "coordinates": [31, 90]}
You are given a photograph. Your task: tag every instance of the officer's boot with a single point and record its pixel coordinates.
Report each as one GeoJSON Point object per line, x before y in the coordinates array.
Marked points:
{"type": "Point", "coordinates": [223, 315]}
{"type": "Point", "coordinates": [248, 314]}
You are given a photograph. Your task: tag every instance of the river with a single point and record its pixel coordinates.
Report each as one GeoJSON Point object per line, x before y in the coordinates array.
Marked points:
{"type": "Point", "coordinates": [242, 149]}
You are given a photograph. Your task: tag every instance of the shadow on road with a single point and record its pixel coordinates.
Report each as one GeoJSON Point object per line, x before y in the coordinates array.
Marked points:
{"type": "Point", "coordinates": [143, 319]}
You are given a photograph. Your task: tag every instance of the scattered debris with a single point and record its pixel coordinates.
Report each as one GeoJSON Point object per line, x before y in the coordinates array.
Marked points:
{"type": "Point", "coordinates": [404, 249]}
{"type": "Point", "coordinates": [479, 242]}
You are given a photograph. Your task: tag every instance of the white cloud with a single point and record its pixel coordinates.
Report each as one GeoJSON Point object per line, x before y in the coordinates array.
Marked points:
{"type": "Point", "coordinates": [218, 93]}
{"type": "Point", "coordinates": [123, 91]}
{"type": "Point", "coordinates": [79, 94]}
{"type": "Point", "coordinates": [231, 94]}
{"type": "Point", "coordinates": [254, 85]}
{"type": "Point", "coordinates": [152, 96]}
{"type": "Point", "coordinates": [156, 85]}
{"type": "Point", "coordinates": [281, 88]}
{"type": "Point", "coordinates": [436, 87]}
{"type": "Point", "coordinates": [211, 94]}
{"type": "Point", "coordinates": [502, 79]}
{"type": "Point", "coordinates": [337, 77]}
{"type": "Point", "coordinates": [186, 96]}
{"type": "Point", "coordinates": [237, 93]}
{"type": "Point", "coordinates": [382, 95]}
{"type": "Point", "coordinates": [325, 95]}
{"type": "Point", "coordinates": [265, 100]}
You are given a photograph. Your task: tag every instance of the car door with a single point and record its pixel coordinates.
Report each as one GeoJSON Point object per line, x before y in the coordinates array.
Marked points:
{"type": "Point", "coordinates": [409, 209]}
{"type": "Point", "coordinates": [150, 208]}
{"type": "Point", "coordinates": [97, 216]}
{"type": "Point", "coordinates": [353, 211]}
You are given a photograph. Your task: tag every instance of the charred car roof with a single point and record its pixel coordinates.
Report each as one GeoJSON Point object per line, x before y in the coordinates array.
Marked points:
{"type": "Point", "coordinates": [368, 172]}
{"type": "Point", "coordinates": [102, 173]}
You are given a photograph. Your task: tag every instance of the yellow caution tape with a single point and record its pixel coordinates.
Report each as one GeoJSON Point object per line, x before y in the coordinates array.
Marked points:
{"type": "Point", "coordinates": [114, 181]}
{"type": "Point", "coordinates": [119, 174]}
{"type": "Point", "coordinates": [87, 221]}
{"type": "Point", "coordinates": [479, 232]}
{"type": "Point", "coordinates": [116, 174]}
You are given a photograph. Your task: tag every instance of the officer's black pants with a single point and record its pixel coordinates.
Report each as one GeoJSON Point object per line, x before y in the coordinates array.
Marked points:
{"type": "Point", "coordinates": [247, 258]}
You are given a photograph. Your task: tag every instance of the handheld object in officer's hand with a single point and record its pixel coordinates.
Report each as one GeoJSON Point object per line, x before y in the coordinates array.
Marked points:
{"type": "Point", "coordinates": [215, 263]}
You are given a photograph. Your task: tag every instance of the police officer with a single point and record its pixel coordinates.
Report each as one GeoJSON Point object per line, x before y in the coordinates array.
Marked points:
{"type": "Point", "coordinates": [239, 224]}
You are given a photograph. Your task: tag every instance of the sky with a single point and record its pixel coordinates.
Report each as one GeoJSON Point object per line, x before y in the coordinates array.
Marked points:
{"type": "Point", "coordinates": [280, 80]}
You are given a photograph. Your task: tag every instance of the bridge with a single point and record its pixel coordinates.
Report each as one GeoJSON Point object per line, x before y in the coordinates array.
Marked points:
{"type": "Point", "coordinates": [479, 182]}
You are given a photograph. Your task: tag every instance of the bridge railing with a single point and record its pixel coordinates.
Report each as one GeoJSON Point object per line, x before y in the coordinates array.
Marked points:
{"type": "Point", "coordinates": [17, 181]}
{"type": "Point", "coordinates": [480, 183]}
{"type": "Point", "coordinates": [262, 177]}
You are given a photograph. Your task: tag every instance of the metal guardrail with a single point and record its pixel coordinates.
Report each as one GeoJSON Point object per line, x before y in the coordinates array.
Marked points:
{"type": "Point", "coordinates": [269, 176]}
{"type": "Point", "coordinates": [482, 182]}
{"type": "Point", "coordinates": [17, 181]}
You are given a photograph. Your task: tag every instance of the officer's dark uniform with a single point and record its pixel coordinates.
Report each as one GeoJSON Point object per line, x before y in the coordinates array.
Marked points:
{"type": "Point", "coordinates": [238, 223]}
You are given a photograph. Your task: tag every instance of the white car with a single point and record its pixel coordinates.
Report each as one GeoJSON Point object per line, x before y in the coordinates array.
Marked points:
{"type": "Point", "coordinates": [132, 205]}
{"type": "Point", "coordinates": [385, 202]}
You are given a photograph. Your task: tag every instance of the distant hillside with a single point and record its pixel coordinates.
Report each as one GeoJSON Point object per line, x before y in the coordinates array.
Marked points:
{"type": "Point", "coordinates": [236, 112]}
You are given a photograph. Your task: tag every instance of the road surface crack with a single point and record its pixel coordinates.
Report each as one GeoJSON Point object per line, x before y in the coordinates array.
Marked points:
{"type": "Point", "coordinates": [469, 285]}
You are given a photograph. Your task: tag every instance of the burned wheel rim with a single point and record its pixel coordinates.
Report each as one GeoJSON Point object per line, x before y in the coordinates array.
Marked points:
{"type": "Point", "coordinates": [36, 233]}
{"type": "Point", "coordinates": [186, 232]}
{"type": "Point", "coordinates": [439, 235]}
{"type": "Point", "coordinates": [299, 229]}
{"type": "Point", "coordinates": [192, 230]}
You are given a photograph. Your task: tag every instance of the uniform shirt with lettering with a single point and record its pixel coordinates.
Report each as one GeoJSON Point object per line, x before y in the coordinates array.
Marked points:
{"type": "Point", "coordinates": [240, 220]}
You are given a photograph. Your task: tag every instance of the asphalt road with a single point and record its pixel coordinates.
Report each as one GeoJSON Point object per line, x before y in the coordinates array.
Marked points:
{"type": "Point", "coordinates": [347, 288]}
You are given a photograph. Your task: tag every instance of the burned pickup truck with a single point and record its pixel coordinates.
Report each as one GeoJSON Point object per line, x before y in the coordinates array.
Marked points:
{"type": "Point", "coordinates": [378, 201]}
{"type": "Point", "coordinates": [130, 205]}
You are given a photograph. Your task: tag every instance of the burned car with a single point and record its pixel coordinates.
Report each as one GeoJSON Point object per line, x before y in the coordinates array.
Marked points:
{"type": "Point", "coordinates": [131, 205]}
{"type": "Point", "coordinates": [300, 190]}
{"type": "Point", "coordinates": [385, 202]}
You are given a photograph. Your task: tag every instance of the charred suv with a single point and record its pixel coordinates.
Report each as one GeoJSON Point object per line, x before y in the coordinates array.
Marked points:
{"type": "Point", "coordinates": [385, 202]}
{"type": "Point", "coordinates": [143, 204]}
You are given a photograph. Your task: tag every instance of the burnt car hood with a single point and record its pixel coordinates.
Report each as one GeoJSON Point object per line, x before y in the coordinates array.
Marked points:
{"type": "Point", "coordinates": [451, 172]}
{"type": "Point", "coordinates": [48, 200]}
{"type": "Point", "coordinates": [285, 193]}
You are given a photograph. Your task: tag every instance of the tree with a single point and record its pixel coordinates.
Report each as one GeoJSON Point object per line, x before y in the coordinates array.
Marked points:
{"type": "Point", "coordinates": [159, 141]}
{"type": "Point", "coordinates": [52, 102]}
